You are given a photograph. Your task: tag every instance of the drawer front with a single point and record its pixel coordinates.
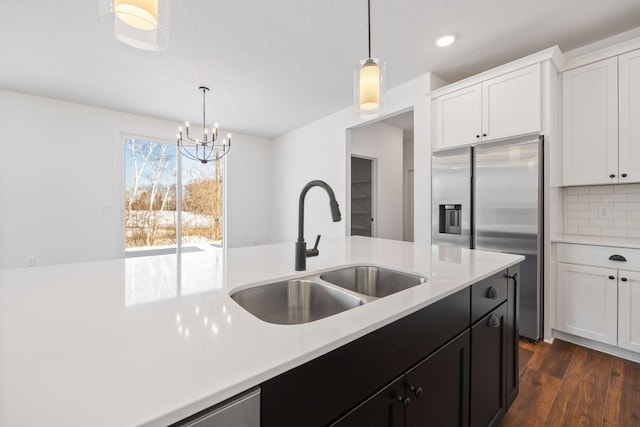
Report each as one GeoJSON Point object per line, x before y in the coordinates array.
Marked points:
{"type": "Point", "coordinates": [488, 294]}
{"type": "Point", "coordinates": [600, 256]}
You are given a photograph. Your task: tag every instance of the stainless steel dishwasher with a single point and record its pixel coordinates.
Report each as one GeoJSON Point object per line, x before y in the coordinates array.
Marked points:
{"type": "Point", "coordinates": [239, 411]}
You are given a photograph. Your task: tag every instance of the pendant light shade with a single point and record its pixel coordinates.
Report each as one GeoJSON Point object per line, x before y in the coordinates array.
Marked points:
{"type": "Point", "coordinates": [369, 82]}
{"type": "Point", "coordinates": [143, 24]}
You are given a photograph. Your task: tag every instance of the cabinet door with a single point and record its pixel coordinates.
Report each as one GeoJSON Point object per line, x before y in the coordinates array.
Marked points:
{"type": "Point", "coordinates": [439, 387]}
{"type": "Point", "coordinates": [459, 117]}
{"type": "Point", "coordinates": [590, 124]}
{"type": "Point", "coordinates": [588, 302]}
{"type": "Point", "coordinates": [511, 104]}
{"type": "Point", "coordinates": [629, 146]}
{"type": "Point", "coordinates": [384, 409]}
{"type": "Point", "coordinates": [513, 334]}
{"type": "Point", "coordinates": [629, 310]}
{"type": "Point", "coordinates": [488, 368]}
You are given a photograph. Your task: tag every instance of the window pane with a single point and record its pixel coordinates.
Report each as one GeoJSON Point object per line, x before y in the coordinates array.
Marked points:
{"type": "Point", "coordinates": [150, 200]}
{"type": "Point", "coordinates": [202, 203]}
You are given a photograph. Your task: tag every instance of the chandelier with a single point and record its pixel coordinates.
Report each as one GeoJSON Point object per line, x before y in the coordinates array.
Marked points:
{"type": "Point", "coordinates": [205, 149]}
{"type": "Point", "coordinates": [369, 82]}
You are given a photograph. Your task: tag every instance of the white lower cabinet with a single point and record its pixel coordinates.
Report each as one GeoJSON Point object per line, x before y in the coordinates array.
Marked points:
{"type": "Point", "coordinates": [588, 302]}
{"type": "Point", "coordinates": [598, 294]}
{"type": "Point", "coordinates": [629, 310]}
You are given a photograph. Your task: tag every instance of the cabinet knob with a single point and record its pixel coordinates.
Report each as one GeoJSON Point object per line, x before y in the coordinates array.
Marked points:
{"type": "Point", "coordinates": [624, 279]}
{"type": "Point", "coordinates": [478, 136]}
{"type": "Point", "coordinates": [493, 321]}
{"type": "Point", "coordinates": [417, 391]}
{"type": "Point", "coordinates": [405, 401]}
{"type": "Point", "coordinates": [612, 176]}
{"type": "Point", "coordinates": [624, 175]}
{"type": "Point", "coordinates": [611, 277]}
{"type": "Point", "coordinates": [492, 293]}
{"type": "Point", "coordinates": [484, 134]}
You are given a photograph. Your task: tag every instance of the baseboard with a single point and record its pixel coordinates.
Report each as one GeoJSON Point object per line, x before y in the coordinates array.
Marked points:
{"type": "Point", "coordinates": [595, 345]}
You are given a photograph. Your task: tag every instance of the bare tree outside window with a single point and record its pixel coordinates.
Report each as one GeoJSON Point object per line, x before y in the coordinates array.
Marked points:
{"type": "Point", "coordinates": [151, 195]}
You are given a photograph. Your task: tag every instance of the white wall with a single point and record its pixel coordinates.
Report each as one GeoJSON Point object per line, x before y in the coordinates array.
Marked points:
{"type": "Point", "coordinates": [62, 163]}
{"type": "Point", "coordinates": [407, 168]}
{"type": "Point", "coordinates": [319, 151]}
{"type": "Point", "coordinates": [383, 143]}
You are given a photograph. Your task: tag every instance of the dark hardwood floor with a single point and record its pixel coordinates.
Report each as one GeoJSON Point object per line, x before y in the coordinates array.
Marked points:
{"type": "Point", "coordinates": [567, 385]}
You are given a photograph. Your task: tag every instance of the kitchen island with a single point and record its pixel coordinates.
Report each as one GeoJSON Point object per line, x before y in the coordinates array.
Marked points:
{"type": "Point", "coordinates": [153, 340]}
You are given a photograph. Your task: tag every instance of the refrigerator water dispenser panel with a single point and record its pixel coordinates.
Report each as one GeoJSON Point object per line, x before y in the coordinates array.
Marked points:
{"type": "Point", "coordinates": [451, 219]}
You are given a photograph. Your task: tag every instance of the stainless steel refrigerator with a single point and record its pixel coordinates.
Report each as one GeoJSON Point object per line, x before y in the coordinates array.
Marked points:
{"type": "Point", "coordinates": [490, 197]}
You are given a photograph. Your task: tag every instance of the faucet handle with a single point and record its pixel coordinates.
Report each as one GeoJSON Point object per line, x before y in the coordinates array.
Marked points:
{"type": "Point", "coordinates": [314, 251]}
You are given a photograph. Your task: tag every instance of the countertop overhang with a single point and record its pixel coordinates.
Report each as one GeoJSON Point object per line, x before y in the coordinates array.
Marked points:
{"type": "Point", "coordinates": [125, 342]}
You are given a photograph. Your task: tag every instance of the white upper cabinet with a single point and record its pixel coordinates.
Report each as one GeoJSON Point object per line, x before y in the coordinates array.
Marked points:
{"type": "Point", "coordinates": [601, 122]}
{"type": "Point", "coordinates": [502, 107]}
{"type": "Point", "coordinates": [459, 117]}
{"type": "Point", "coordinates": [629, 98]}
{"type": "Point", "coordinates": [590, 124]}
{"type": "Point", "coordinates": [511, 104]}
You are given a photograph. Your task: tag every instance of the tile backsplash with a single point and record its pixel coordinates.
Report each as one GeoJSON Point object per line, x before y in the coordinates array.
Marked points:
{"type": "Point", "coordinates": [603, 210]}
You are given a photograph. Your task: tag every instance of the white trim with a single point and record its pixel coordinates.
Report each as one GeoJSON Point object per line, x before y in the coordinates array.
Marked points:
{"type": "Point", "coordinates": [602, 54]}
{"type": "Point", "coordinates": [552, 54]}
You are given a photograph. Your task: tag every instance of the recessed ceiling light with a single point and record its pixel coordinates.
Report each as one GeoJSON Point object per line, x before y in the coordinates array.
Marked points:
{"type": "Point", "coordinates": [445, 40]}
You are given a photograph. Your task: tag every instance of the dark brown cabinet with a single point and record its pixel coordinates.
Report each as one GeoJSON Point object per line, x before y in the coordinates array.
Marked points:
{"type": "Point", "coordinates": [441, 365]}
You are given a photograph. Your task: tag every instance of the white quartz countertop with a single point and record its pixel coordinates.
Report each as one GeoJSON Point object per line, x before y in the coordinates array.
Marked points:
{"type": "Point", "coordinates": [152, 340]}
{"type": "Point", "coordinates": [618, 242]}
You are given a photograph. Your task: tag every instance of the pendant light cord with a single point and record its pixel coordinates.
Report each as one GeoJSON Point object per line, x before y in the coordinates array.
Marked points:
{"type": "Point", "coordinates": [369, 22]}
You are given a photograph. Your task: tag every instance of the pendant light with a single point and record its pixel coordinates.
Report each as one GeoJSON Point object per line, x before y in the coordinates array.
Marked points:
{"type": "Point", "coordinates": [369, 82]}
{"type": "Point", "coordinates": [143, 24]}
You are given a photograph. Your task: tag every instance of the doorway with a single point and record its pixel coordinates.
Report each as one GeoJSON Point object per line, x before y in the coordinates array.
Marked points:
{"type": "Point", "coordinates": [362, 193]}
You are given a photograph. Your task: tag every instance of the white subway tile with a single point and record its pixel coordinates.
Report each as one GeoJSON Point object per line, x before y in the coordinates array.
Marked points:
{"type": "Point", "coordinates": [601, 189]}
{"type": "Point", "coordinates": [627, 206]}
{"type": "Point", "coordinates": [626, 188]}
{"type": "Point", "coordinates": [570, 230]}
{"type": "Point", "coordinates": [577, 190]}
{"type": "Point", "coordinates": [617, 214]}
{"type": "Point", "coordinates": [629, 223]}
{"type": "Point", "coordinates": [578, 222]}
{"type": "Point", "coordinates": [571, 214]}
{"type": "Point", "coordinates": [574, 199]}
{"type": "Point", "coordinates": [578, 206]}
{"type": "Point", "coordinates": [590, 231]}
{"type": "Point", "coordinates": [590, 198]}
{"type": "Point", "coordinates": [633, 233]}
{"type": "Point", "coordinates": [614, 198]}
{"type": "Point", "coordinates": [633, 215]}
{"type": "Point", "coordinates": [614, 232]}
{"type": "Point", "coordinates": [601, 223]}
{"type": "Point", "coordinates": [633, 197]}
{"type": "Point", "coordinates": [587, 214]}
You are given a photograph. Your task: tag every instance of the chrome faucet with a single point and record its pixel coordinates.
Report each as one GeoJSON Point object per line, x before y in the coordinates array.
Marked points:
{"type": "Point", "coordinates": [302, 253]}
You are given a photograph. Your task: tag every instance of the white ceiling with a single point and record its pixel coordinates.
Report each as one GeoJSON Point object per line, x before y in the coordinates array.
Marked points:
{"type": "Point", "coordinates": [274, 65]}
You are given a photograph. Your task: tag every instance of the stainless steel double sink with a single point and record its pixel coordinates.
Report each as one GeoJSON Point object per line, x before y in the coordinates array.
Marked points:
{"type": "Point", "coordinates": [321, 295]}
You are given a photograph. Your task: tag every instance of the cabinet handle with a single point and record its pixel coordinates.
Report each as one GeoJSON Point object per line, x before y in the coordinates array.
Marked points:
{"type": "Point", "coordinates": [493, 321]}
{"type": "Point", "coordinates": [611, 277]}
{"type": "Point", "coordinates": [405, 401]}
{"type": "Point", "coordinates": [624, 175]}
{"type": "Point", "coordinates": [612, 176]}
{"type": "Point", "coordinates": [492, 293]}
{"type": "Point", "coordinates": [416, 391]}
{"type": "Point", "coordinates": [624, 279]}
{"type": "Point", "coordinates": [514, 278]}
{"type": "Point", "coordinates": [617, 258]}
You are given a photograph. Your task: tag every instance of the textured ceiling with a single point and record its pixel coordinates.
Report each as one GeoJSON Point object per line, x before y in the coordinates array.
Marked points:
{"type": "Point", "coordinates": [274, 65]}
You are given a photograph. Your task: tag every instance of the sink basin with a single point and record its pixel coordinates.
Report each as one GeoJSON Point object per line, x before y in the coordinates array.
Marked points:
{"type": "Point", "coordinates": [372, 281]}
{"type": "Point", "coordinates": [294, 301]}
